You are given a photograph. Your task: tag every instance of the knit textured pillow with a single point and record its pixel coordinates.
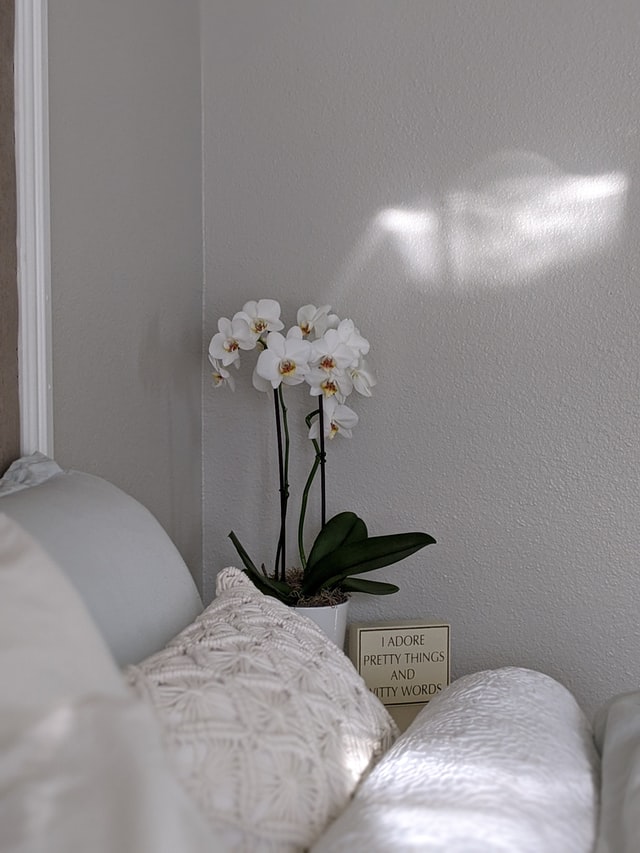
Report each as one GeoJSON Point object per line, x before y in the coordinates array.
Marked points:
{"type": "Point", "coordinates": [269, 725]}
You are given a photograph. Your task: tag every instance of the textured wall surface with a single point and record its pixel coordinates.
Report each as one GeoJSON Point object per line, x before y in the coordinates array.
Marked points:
{"type": "Point", "coordinates": [126, 245]}
{"type": "Point", "coordinates": [10, 433]}
{"type": "Point", "coordinates": [462, 179]}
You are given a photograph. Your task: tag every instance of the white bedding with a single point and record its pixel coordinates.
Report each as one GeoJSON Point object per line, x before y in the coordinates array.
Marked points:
{"type": "Point", "coordinates": [82, 764]}
{"type": "Point", "coordinates": [92, 776]}
{"type": "Point", "coordinates": [501, 761]}
{"type": "Point", "coordinates": [617, 730]}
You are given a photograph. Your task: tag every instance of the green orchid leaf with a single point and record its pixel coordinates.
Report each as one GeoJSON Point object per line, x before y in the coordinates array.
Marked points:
{"type": "Point", "coordinates": [276, 589]}
{"type": "Point", "coordinates": [265, 584]}
{"type": "Point", "coordinates": [268, 586]}
{"type": "Point", "coordinates": [357, 558]}
{"type": "Point", "coordinates": [371, 587]}
{"type": "Point", "coordinates": [246, 559]}
{"type": "Point", "coordinates": [342, 529]}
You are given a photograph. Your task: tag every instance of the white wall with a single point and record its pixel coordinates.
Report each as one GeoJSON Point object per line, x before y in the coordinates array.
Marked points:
{"type": "Point", "coordinates": [503, 313]}
{"type": "Point", "coordinates": [127, 250]}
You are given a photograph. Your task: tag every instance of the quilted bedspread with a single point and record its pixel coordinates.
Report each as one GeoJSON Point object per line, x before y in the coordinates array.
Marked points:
{"type": "Point", "coordinates": [502, 760]}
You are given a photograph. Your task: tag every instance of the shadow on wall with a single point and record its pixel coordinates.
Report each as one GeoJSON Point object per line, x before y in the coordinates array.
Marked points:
{"type": "Point", "coordinates": [512, 218]}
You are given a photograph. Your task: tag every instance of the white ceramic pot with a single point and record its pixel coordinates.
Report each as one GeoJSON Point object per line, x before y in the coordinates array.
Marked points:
{"type": "Point", "coordinates": [332, 619]}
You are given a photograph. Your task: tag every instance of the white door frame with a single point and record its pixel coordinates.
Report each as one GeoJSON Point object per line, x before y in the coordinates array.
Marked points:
{"type": "Point", "coordinates": [33, 226]}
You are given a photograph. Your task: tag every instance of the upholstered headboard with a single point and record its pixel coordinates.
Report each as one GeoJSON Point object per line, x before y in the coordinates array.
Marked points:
{"type": "Point", "coordinates": [128, 571]}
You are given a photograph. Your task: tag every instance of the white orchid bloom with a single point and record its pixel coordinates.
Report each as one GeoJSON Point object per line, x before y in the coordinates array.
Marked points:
{"type": "Point", "coordinates": [221, 376]}
{"type": "Point", "coordinates": [331, 353]}
{"type": "Point", "coordinates": [338, 418]}
{"type": "Point", "coordinates": [328, 321]}
{"type": "Point", "coordinates": [259, 383]}
{"type": "Point", "coordinates": [362, 378]}
{"type": "Point", "coordinates": [336, 383]}
{"type": "Point", "coordinates": [318, 320]}
{"type": "Point", "coordinates": [262, 316]}
{"type": "Point", "coordinates": [285, 359]}
{"type": "Point", "coordinates": [350, 336]}
{"type": "Point", "coordinates": [330, 360]}
{"type": "Point", "coordinates": [233, 336]}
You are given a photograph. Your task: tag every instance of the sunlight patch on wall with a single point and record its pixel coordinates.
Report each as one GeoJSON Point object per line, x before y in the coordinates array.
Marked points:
{"type": "Point", "coordinates": [416, 235]}
{"type": "Point", "coordinates": [519, 216]}
{"type": "Point", "coordinates": [514, 217]}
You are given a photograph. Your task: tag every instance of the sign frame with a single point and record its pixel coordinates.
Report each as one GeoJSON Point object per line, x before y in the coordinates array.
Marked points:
{"type": "Point", "coordinates": [406, 642]}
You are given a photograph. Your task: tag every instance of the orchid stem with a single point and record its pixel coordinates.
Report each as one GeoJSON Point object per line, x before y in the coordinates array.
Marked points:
{"type": "Point", "coordinates": [318, 462]}
{"type": "Point", "coordinates": [323, 460]}
{"type": "Point", "coordinates": [282, 472]}
{"type": "Point", "coordinates": [305, 494]}
{"type": "Point", "coordinates": [287, 445]}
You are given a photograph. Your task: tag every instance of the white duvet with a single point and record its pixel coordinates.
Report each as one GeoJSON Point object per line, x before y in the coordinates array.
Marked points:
{"type": "Point", "coordinates": [502, 760]}
{"type": "Point", "coordinates": [91, 776]}
{"type": "Point", "coordinates": [617, 730]}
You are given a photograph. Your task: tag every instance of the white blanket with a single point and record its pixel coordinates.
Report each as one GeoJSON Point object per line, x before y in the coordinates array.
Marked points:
{"type": "Point", "coordinates": [91, 776]}
{"type": "Point", "coordinates": [617, 729]}
{"type": "Point", "coordinates": [502, 760]}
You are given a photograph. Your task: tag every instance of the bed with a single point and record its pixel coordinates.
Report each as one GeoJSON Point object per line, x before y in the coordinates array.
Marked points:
{"type": "Point", "coordinates": [134, 719]}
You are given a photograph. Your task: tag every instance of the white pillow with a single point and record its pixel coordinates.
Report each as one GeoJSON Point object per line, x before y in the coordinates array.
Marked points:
{"type": "Point", "coordinates": [117, 555]}
{"type": "Point", "coordinates": [501, 760]}
{"type": "Point", "coordinates": [50, 650]}
{"type": "Point", "coordinates": [270, 725]}
{"type": "Point", "coordinates": [82, 765]}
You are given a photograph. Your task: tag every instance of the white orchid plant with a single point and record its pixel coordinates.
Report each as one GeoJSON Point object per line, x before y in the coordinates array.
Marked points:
{"type": "Point", "coordinates": [326, 355]}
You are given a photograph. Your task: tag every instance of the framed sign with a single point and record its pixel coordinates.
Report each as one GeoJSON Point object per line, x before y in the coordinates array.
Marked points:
{"type": "Point", "coordinates": [403, 663]}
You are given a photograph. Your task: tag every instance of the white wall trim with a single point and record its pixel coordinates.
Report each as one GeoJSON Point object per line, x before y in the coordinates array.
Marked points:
{"type": "Point", "coordinates": [34, 255]}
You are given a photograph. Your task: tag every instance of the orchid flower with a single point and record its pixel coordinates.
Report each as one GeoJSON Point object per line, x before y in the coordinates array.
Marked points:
{"type": "Point", "coordinates": [330, 352]}
{"type": "Point", "coordinates": [221, 376]}
{"type": "Point", "coordinates": [362, 378]}
{"type": "Point", "coordinates": [318, 320]}
{"type": "Point", "coordinates": [233, 336]}
{"type": "Point", "coordinates": [262, 316]}
{"type": "Point", "coordinates": [348, 334]}
{"type": "Point", "coordinates": [328, 374]}
{"type": "Point", "coordinates": [336, 383]}
{"type": "Point", "coordinates": [285, 360]}
{"type": "Point", "coordinates": [338, 418]}
{"type": "Point", "coordinates": [259, 383]}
